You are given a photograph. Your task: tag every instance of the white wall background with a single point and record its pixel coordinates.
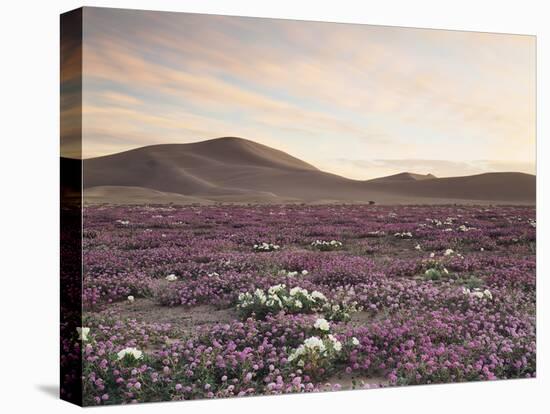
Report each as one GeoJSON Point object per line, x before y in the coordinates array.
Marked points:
{"type": "Point", "coordinates": [29, 99]}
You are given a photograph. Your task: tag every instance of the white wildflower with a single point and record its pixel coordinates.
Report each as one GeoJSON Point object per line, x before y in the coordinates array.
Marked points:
{"type": "Point", "coordinates": [295, 290]}
{"type": "Point", "coordinates": [83, 333]}
{"type": "Point", "coordinates": [333, 244]}
{"type": "Point", "coordinates": [266, 247]}
{"type": "Point", "coordinates": [322, 324]}
{"type": "Point", "coordinates": [273, 290]}
{"type": "Point", "coordinates": [318, 295]}
{"type": "Point", "coordinates": [134, 352]}
{"type": "Point", "coordinates": [314, 343]}
{"type": "Point", "coordinates": [296, 353]}
{"type": "Point", "coordinates": [258, 293]}
{"type": "Point", "coordinates": [171, 278]}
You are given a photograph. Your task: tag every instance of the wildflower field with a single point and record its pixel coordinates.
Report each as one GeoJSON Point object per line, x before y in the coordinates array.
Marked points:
{"type": "Point", "coordinates": [220, 301]}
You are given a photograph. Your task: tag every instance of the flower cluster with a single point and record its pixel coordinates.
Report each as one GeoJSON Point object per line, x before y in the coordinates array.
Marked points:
{"type": "Point", "coordinates": [403, 235]}
{"type": "Point", "coordinates": [130, 354]}
{"type": "Point", "coordinates": [322, 324]}
{"type": "Point", "coordinates": [340, 310]}
{"type": "Point", "coordinates": [316, 354]}
{"type": "Point", "coordinates": [266, 247]}
{"type": "Point", "coordinates": [294, 273]}
{"type": "Point", "coordinates": [279, 298]}
{"type": "Point", "coordinates": [478, 293]}
{"type": "Point", "coordinates": [324, 245]}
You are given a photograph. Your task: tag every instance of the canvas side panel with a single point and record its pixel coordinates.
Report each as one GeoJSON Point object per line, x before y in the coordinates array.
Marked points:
{"type": "Point", "coordinates": [71, 206]}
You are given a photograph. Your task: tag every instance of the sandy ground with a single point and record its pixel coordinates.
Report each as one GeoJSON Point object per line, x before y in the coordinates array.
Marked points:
{"type": "Point", "coordinates": [353, 381]}
{"type": "Point", "coordinates": [188, 320]}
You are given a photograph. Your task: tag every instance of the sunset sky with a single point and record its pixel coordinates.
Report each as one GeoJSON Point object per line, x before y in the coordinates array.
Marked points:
{"type": "Point", "coordinates": [356, 100]}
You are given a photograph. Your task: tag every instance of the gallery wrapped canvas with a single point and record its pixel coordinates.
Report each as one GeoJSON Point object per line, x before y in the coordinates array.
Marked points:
{"type": "Point", "coordinates": [261, 207]}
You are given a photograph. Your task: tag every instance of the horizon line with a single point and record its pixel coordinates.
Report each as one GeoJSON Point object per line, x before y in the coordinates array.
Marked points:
{"type": "Point", "coordinates": [398, 172]}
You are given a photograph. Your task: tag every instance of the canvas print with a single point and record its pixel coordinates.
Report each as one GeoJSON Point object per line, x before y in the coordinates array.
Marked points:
{"type": "Point", "coordinates": [267, 206]}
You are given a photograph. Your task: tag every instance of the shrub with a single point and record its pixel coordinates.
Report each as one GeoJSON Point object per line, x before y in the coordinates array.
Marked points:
{"type": "Point", "coordinates": [433, 274]}
{"type": "Point", "coordinates": [472, 282]}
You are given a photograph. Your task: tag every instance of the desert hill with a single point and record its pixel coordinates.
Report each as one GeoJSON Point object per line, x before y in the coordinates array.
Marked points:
{"type": "Point", "coordinates": [242, 171]}
{"type": "Point", "coordinates": [405, 176]}
{"type": "Point", "coordinates": [505, 187]}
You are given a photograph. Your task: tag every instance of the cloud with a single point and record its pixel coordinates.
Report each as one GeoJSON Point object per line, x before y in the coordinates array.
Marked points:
{"type": "Point", "coordinates": [308, 88]}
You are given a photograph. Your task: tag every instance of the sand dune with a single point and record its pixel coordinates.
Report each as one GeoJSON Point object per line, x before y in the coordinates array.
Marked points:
{"type": "Point", "coordinates": [136, 195]}
{"type": "Point", "coordinates": [405, 176]}
{"type": "Point", "coordinates": [497, 187]}
{"type": "Point", "coordinates": [236, 170]}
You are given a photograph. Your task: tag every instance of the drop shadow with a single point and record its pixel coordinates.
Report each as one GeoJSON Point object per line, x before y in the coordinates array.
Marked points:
{"type": "Point", "coordinates": [51, 390]}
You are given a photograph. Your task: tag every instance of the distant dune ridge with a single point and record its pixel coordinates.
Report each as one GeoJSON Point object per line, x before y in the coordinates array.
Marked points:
{"type": "Point", "coordinates": [405, 176]}
{"type": "Point", "coordinates": [237, 170]}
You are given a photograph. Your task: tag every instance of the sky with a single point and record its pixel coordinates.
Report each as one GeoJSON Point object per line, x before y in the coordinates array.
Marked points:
{"type": "Point", "coordinates": [356, 100]}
